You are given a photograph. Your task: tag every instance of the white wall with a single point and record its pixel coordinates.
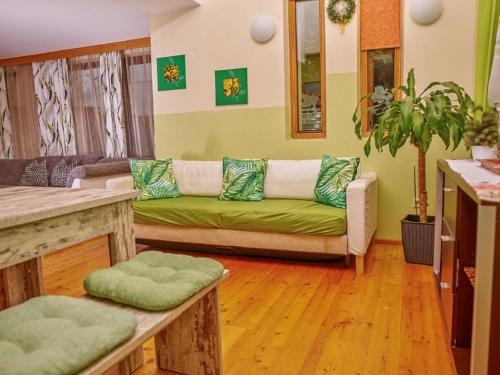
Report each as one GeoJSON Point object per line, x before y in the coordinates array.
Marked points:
{"type": "Point", "coordinates": [216, 36]}
{"type": "Point", "coordinates": [444, 50]}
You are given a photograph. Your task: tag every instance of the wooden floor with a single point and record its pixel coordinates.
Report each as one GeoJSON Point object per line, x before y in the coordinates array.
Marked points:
{"type": "Point", "coordinates": [289, 317]}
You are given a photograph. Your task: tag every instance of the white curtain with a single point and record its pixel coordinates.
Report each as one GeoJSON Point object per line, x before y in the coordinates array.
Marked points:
{"type": "Point", "coordinates": [138, 102]}
{"type": "Point", "coordinates": [111, 82]}
{"type": "Point", "coordinates": [87, 104]}
{"type": "Point", "coordinates": [55, 118]}
{"type": "Point", "coordinates": [5, 126]}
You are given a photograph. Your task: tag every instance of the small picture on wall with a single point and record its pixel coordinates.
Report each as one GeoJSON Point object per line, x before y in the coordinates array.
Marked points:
{"type": "Point", "coordinates": [231, 86]}
{"type": "Point", "coordinates": [171, 72]}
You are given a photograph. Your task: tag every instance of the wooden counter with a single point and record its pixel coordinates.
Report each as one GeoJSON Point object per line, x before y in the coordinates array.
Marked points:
{"type": "Point", "coordinates": [467, 242]}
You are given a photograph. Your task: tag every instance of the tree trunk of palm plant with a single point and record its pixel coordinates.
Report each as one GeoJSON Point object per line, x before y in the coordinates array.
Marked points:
{"type": "Point", "coordinates": [421, 186]}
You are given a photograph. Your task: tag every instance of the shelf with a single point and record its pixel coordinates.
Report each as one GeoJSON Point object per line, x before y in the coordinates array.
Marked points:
{"type": "Point", "coordinates": [471, 274]}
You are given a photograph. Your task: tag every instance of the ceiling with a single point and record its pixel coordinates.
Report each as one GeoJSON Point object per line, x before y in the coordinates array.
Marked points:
{"type": "Point", "coordinates": [36, 26]}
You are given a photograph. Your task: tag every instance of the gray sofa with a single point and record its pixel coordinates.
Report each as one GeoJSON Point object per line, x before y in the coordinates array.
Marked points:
{"type": "Point", "coordinates": [86, 171]}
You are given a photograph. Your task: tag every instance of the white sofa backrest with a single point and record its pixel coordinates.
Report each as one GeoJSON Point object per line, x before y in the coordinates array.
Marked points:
{"type": "Point", "coordinates": [290, 179]}
{"type": "Point", "coordinates": [198, 178]}
{"type": "Point", "coordinates": [293, 179]}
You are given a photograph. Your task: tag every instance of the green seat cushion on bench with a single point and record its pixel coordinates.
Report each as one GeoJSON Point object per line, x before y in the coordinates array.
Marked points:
{"type": "Point", "coordinates": [269, 215]}
{"type": "Point", "coordinates": [154, 280]}
{"type": "Point", "coordinates": [56, 335]}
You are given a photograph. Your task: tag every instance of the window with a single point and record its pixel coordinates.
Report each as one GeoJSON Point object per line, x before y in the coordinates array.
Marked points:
{"type": "Point", "coordinates": [380, 55]}
{"type": "Point", "coordinates": [89, 109]}
{"type": "Point", "coordinates": [307, 68]}
{"type": "Point", "coordinates": [380, 71]}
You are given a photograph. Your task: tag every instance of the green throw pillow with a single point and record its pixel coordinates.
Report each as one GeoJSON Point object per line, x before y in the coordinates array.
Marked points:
{"type": "Point", "coordinates": [154, 178]}
{"type": "Point", "coordinates": [334, 176]}
{"type": "Point", "coordinates": [243, 179]}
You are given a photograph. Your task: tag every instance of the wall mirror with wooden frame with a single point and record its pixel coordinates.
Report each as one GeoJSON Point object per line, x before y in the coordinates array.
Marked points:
{"type": "Point", "coordinates": [307, 68]}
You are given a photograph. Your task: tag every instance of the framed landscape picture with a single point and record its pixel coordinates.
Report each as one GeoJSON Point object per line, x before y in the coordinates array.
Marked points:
{"type": "Point", "coordinates": [171, 72]}
{"type": "Point", "coordinates": [231, 86]}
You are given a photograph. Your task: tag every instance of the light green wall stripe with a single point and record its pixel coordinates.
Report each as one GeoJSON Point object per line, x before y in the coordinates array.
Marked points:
{"type": "Point", "coordinates": [263, 132]}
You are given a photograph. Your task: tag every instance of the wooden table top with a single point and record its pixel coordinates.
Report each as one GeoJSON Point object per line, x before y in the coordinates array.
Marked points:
{"type": "Point", "coordinates": [21, 205]}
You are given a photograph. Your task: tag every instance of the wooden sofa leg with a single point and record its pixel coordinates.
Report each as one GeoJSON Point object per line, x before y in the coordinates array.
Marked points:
{"type": "Point", "coordinates": [360, 264]}
{"type": "Point", "coordinates": [191, 344]}
{"type": "Point", "coordinates": [347, 260]}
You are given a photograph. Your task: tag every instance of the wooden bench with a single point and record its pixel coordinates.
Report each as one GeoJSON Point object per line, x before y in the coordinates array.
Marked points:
{"type": "Point", "coordinates": [187, 338]}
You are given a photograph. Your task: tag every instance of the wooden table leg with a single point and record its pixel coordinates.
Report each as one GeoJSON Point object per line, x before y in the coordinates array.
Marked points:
{"type": "Point", "coordinates": [21, 282]}
{"type": "Point", "coordinates": [192, 343]}
{"type": "Point", "coordinates": [121, 249]}
{"type": "Point", "coordinates": [132, 362]}
{"type": "Point", "coordinates": [122, 239]}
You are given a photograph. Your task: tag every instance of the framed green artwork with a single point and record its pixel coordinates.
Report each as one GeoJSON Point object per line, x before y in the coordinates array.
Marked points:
{"type": "Point", "coordinates": [231, 86]}
{"type": "Point", "coordinates": [171, 72]}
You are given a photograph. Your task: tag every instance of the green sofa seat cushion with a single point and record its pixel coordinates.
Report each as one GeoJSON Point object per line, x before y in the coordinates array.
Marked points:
{"type": "Point", "coordinates": [154, 280]}
{"type": "Point", "coordinates": [269, 215]}
{"type": "Point", "coordinates": [56, 335]}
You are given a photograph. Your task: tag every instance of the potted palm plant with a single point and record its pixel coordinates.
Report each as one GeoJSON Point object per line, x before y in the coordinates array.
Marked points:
{"type": "Point", "coordinates": [441, 109]}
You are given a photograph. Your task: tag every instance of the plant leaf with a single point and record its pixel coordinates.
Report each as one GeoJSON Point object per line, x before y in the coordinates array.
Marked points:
{"type": "Point", "coordinates": [406, 111]}
{"type": "Point", "coordinates": [368, 145]}
{"type": "Point", "coordinates": [410, 82]}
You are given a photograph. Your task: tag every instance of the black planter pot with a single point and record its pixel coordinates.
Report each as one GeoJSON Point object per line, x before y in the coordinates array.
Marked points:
{"type": "Point", "coordinates": [418, 239]}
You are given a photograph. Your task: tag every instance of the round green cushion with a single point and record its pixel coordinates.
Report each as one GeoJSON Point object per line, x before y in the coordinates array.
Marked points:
{"type": "Point", "coordinates": [154, 280]}
{"type": "Point", "coordinates": [56, 335]}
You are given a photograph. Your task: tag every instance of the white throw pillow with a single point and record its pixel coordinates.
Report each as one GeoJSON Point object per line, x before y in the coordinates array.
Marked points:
{"type": "Point", "coordinates": [198, 178]}
{"type": "Point", "coordinates": [293, 179]}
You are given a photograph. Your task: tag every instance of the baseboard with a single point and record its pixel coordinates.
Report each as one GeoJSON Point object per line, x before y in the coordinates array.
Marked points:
{"type": "Point", "coordinates": [381, 241]}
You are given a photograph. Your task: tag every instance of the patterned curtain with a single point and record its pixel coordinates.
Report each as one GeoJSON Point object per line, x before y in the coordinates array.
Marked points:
{"type": "Point", "coordinates": [55, 119]}
{"type": "Point", "coordinates": [111, 82]}
{"type": "Point", "coordinates": [5, 127]}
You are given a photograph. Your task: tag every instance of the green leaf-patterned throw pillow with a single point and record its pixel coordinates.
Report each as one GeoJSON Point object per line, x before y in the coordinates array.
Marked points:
{"type": "Point", "coordinates": [243, 179]}
{"type": "Point", "coordinates": [154, 178]}
{"type": "Point", "coordinates": [334, 176]}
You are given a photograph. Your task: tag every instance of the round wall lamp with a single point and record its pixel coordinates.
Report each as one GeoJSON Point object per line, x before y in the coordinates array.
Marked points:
{"type": "Point", "coordinates": [262, 28]}
{"type": "Point", "coordinates": [426, 11]}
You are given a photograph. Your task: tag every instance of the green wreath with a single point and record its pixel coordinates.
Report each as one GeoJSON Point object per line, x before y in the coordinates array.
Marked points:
{"type": "Point", "coordinates": [341, 12]}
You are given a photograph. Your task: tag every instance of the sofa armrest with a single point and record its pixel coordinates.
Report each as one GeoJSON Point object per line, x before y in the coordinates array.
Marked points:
{"type": "Point", "coordinates": [361, 213]}
{"type": "Point", "coordinates": [120, 183]}
{"type": "Point", "coordinates": [89, 171]}
{"type": "Point", "coordinates": [93, 182]}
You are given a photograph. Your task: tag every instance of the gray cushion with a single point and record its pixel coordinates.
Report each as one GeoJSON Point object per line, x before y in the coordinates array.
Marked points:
{"type": "Point", "coordinates": [154, 280]}
{"type": "Point", "coordinates": [60, 173]}
{"type": "Point", "coordinates": [84, 159]}
{"type": "Point", "coordinates": [35, 174]}
{"type": "Point", "coordinates": [57, 335]}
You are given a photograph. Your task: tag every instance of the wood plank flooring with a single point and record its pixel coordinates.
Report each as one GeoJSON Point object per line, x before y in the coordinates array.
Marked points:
{"type": "Point", "coordinates": [290, 317]}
